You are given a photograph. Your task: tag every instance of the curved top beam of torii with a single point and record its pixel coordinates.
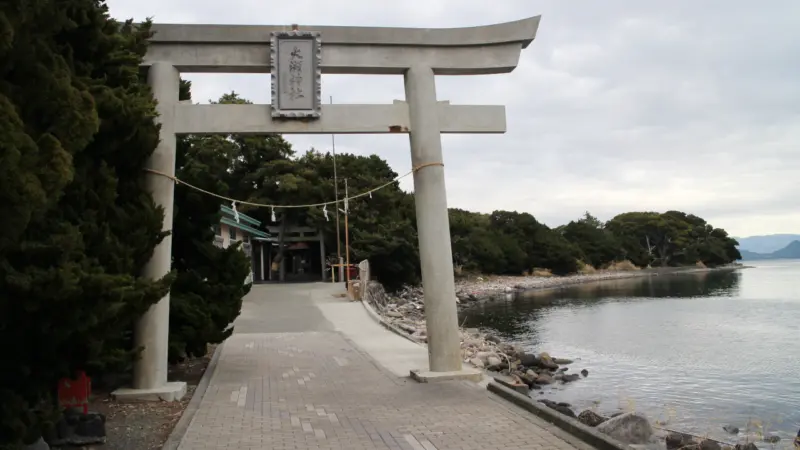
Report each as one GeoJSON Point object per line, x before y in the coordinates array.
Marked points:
{"type": "Point", "coordinates": [347, 50]}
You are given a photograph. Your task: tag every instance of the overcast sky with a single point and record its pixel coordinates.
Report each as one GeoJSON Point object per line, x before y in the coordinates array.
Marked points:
{"type": "Point", "coordinates": [616, 106]}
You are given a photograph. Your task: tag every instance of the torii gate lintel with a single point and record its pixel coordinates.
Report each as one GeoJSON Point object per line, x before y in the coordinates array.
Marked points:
{"type": "Point", "coordinates": [335, 119]}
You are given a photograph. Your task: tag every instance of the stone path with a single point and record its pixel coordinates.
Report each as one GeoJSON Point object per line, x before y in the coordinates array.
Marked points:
{"type": "Point", "coordinates": [316, 390]}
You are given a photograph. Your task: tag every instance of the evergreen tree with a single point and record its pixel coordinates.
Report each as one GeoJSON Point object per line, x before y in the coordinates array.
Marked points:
{"type": "Point", "coordinates": [382, 225]}
{"type": "Point", "coordinates": [207, 293]}
{"type": "Point", "coordinates": [598, 245]}
{"type": "Point", "coordinates": [261, 170]}
{"type": "Point", "coordinates": [76, 128]}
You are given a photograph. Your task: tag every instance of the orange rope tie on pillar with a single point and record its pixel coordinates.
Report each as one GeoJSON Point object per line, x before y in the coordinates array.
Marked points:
{"type": "Point", "coordinates": [422, 166]}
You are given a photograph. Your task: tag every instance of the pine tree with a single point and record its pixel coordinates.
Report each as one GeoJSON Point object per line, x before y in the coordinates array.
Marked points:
{"type": "Point", "coordinates": [207, 294]}
{"type": "Point", "coordinates": [261, 170]}
{"type": "Point", "coordinates": [76, 127]}
{"type": "Point", "coordinates": [382, 225]}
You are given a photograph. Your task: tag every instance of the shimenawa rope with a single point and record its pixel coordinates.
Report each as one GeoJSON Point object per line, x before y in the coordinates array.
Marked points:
{"type": "Point", "coordinates": [311, 205]}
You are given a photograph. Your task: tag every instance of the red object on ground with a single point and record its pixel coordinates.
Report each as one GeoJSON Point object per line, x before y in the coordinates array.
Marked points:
{"type": "Point", "coordinates": [75, 393]}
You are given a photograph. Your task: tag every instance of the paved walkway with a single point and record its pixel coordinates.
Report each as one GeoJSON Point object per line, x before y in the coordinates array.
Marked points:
{"type": "Point", "coordinates": [297, 375]}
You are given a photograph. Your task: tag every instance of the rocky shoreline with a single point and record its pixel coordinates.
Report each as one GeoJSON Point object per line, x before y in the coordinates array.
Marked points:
{"type": "Point", "coordinates": [516, 368]}
{"type": "Point", "coordinates": [528, 372]}
{"type": "Point", "coordinates": [479, 288]}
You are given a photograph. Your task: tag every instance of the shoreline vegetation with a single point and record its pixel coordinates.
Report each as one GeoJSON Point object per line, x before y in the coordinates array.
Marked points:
{"type": "Point", "coordinates": [478, 287]}
{"type": "Point", "coordinates": [528, 371]}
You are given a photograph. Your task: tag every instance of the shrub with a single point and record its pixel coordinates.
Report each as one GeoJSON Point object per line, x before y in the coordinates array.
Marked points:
{"type": "Point", "coordinates": [621, 266]}
{"type": "Point", "coordinates": [77, 128]}
{"type": "Point", "coordinates": [585, 269]}
{"type": "Point", "coordinates": [542, 273]}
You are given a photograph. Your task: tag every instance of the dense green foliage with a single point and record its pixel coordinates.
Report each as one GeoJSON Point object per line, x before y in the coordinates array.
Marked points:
{"type": "Point", "coordinates": [513, 243]}
{"type": "Point", "coordinates": [598, 246]}
{"type": "Point", "coordinates": [672, 238]}
{"type": "Point", "coordinates": [505, 242]}
{"type": "Point", "coordinates": [76, 128]}
{"type": "Point", "coordinates": [382, 225]}
{"type": "Point", "coordinates": [207, 294]}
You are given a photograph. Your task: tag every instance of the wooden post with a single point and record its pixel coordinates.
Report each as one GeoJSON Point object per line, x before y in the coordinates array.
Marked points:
{"type": "Point", "coordinates": [346, 238]}
{"type": "Point", "coordinates": [269, 249]}
{"type": "Point", "coordinates": [263, 249]}
{"type": "Point", "coordinates": [336, 197]}
{"type": "Point", "coordinates": [282, 249]}
{"type": "Point", "coordinates": [322, 254]}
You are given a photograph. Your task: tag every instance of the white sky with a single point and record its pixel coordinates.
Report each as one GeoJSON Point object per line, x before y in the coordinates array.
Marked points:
{"type": "Point", "coordinates": [617, 106]}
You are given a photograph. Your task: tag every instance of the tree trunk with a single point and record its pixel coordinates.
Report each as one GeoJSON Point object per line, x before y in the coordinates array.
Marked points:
{"type": "Point", "coordinates": [664, 252]}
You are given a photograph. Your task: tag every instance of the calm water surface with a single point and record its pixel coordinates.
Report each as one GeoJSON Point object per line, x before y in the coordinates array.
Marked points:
{"type": "Point", "coordinates": [696, 350]}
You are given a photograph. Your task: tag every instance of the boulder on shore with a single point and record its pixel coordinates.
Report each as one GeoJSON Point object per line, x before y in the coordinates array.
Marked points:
{"type": "Point", "coordinates": [731, 429]}
{"type": "Point", "coordinates": [527, 379]}
{"type": "Point", "coordinates": [528, 360]}
{"type": "Point", "coordinates": [563, 408]}
{"type": "Point", "coordinates": [630, 428]}
{"type": "Point", "coordinates": [678, 440]}
{"type": "Point", "coordinates": [570, 378]}
{"type": "Point", "coordinates": [708, 444]}
{"type": "Point", "coordinates": [772, 439]}
{"type": "Point", "coordinates": [546, 362]}
{"type": "Point", "coordinates": [591, 418]}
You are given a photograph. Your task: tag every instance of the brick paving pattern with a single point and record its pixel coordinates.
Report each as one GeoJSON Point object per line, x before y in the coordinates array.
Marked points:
{"type": "Point", "coordinates": [315, 390]}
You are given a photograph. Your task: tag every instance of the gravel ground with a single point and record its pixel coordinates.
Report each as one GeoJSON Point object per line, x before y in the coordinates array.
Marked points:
{"type": "Point", "coordinates": [146, 426]}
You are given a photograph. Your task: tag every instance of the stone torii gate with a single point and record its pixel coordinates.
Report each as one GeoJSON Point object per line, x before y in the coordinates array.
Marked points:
{"type": "Point", "coordinates": [416, 54]}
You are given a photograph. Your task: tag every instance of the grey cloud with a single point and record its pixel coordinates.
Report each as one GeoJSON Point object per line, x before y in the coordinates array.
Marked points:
{"type": "Point", "coordinates": [618, 105]}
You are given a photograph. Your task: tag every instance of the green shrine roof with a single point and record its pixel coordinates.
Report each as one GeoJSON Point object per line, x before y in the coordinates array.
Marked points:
{"type": "Point", "coordinates": [244, 223]}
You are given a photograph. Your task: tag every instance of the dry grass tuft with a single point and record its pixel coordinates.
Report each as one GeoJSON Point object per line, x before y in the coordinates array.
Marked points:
{"type": "Point", "coordinates": [543, 273]}
{"type": "Point", "coordinates": [621, 266]}
{"type": "Point", "coordinates": [585, 269]}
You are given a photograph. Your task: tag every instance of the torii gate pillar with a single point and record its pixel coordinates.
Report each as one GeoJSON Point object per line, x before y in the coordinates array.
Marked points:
{"type": "Point", "coordinates": [433, 222]}
{"type": "Point", "coordinates": [415, 53]}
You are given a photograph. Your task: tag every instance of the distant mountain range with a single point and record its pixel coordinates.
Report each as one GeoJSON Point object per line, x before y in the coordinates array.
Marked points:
{"type": "Point", "coordinates": [791, 251]}
{"type": "Point", "coordinates": [766, 244]}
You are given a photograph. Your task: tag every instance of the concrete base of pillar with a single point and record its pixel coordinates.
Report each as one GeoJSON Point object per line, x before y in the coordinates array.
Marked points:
{"type": "Point", "coordinates": [467, 374]}
{"type": "Point", "coordinates": [170, 392]}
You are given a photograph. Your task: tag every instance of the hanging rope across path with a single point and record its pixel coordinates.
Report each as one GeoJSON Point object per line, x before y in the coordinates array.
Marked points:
{"type": "Point", "coordinates": [311, 205]}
